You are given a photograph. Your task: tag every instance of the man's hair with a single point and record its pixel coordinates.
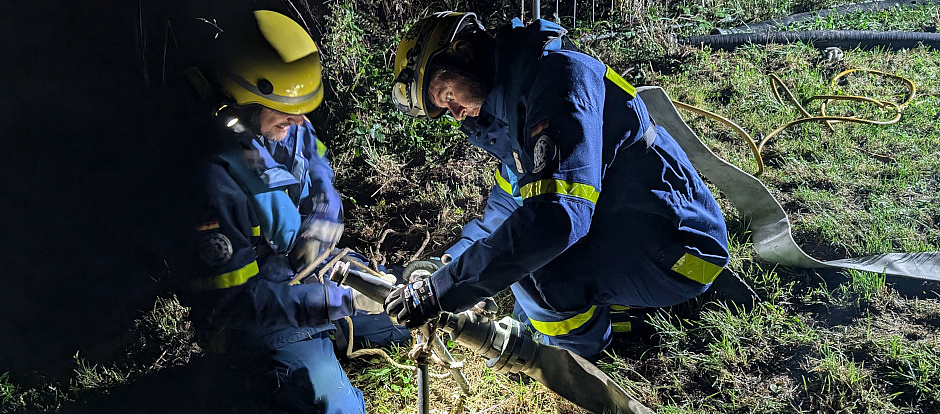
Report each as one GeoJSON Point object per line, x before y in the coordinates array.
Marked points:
{"type": "Point", "coordinates": [480, 68]}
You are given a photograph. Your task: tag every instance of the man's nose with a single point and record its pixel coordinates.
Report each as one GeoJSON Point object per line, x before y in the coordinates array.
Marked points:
{"type": "Point", "coordinates": [295, 119]}
{"type": "Point", "coordinates": [456, 109]}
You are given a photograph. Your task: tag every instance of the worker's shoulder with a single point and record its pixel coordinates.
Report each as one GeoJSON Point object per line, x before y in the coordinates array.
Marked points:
{"type": "Point", "coordinates": [565, 71]}
{"type": "Point", "coordinates": [570, 63]}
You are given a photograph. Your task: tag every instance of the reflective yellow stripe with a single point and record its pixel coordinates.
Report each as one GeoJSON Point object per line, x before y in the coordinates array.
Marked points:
{"type": "Point", "coordinates": [321, 149]}
{"type": "Point", "coordinates": [503, 183]}
{"type": "Point", "coordinates": [226, 280]}
{"type": "Point", "coordinates": [621, 327]}
{"type": "Point", "coordinates": [565, 326]}
{"type": "Point", "coordinates": [560, 187]}
{"type": "Point", "coordinates": [619, 308]}
{"type": "Point", "coordinates": [615, 77]}
{"type": "Point", "coordinates": [696, 269]}
{"type": "Point", "coordinates": [256, 231]}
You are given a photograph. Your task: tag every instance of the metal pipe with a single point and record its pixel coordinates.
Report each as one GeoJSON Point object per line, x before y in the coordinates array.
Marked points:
{"type": "Point", "coordinates": [424, 389]}
{"type": "Point", "coordinates": [424, 400]}
{"type": "Point", "coordinates": [536, 10]}
{"type": "Point", "coordinates": [441, 350]}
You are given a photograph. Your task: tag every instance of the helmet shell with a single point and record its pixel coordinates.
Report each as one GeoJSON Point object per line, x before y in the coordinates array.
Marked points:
{"type": "Point", "coordinates": [425, 40]}
{"type": "Point", "coordinates": [271, 61]}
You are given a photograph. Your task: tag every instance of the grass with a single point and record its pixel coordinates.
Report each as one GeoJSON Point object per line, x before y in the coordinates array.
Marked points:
{"type": "Point", "coordinates": [821, 340]}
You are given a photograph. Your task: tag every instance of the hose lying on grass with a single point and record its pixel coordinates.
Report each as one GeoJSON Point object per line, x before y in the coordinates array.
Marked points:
{"type": "Point", "coordinates": [770, 227]}
{"type": "Point", "coordinates": [843, 39]}
{"type": "Point", "coordinates": [767, 25]}
{"type": "Point", "coordinates": [828, 120]}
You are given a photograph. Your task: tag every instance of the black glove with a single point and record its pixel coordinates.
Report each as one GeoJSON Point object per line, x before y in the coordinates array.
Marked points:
{"type": "Point", "coordinates": [413, 305]}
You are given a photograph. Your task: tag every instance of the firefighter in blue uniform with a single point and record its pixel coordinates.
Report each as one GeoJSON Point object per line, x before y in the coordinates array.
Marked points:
{"type": "Point", "coordinates": [594, 207]}
{"type": "Point", "coordinates": [271, 210]}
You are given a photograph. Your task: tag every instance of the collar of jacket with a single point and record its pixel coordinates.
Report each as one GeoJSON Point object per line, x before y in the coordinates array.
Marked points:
{"type": "Point", "coordinates": [253, 167]}
{"type": "Point", "coordinates": [498, 128]}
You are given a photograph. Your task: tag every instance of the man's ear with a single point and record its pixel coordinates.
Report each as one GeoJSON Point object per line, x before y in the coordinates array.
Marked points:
{"type": "Point", "coordinates": [462, 50]}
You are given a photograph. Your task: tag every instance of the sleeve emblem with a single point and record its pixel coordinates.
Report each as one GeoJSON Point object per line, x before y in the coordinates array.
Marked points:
{"type": "Point", "coordinates": [215, 249]}
{"type": "Point", "coordinates": [542, 153]}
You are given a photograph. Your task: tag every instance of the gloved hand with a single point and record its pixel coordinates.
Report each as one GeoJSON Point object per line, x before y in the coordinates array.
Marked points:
{"type": "Point", "coordinates": [316, 236]}
{"type": "Point", "coordinates": [413, 305]}
{"type": "Point", "coordinates": [366, 304]}
{"type": "Point", "coordinates": [363, 303]}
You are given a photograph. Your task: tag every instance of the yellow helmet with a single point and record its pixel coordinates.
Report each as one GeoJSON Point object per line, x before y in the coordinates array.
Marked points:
{"type": "Point", "coordinates": [271, 61]}
{"type": "Point", "coordinates": [427, 38]}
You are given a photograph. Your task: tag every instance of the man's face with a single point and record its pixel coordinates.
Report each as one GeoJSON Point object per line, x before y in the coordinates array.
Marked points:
{"type": "Point", "coordinates": [274, 124]}
{"type": "Point", "coordinates": [460, 95]}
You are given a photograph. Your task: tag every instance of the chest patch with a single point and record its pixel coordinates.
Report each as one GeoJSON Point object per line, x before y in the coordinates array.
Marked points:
{"type": "Point", "coordinates": [215, 249]}
{"type": "Point", "coordinates": [542, 153]}
{"type": "Point", "coordinates": [515, 157]}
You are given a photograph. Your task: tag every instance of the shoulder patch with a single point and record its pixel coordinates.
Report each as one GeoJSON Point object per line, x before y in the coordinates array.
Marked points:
{"type": "Point", "coordinates": [542, 153]}
{"type": "Point", "coordinates": [215, 249]}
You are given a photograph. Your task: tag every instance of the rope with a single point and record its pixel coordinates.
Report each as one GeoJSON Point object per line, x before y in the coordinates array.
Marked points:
{"type": "Point", "coordinates": [381, 353]}
{"type": "Point", "coordinates": [308, 269]}
{"type": "Point", "coordinates": [419, 350]}
{"type": "Point", "coordinates": [828, 120]}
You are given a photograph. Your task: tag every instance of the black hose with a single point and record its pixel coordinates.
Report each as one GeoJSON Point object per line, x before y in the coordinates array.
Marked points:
{"type": "Point", "coordinates": [767, 25]}
{"type": "Point", "coordinates": [843, 39]}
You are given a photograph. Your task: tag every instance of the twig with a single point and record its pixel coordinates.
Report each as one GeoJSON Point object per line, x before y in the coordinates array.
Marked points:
{"type": "Point", "coordinates": [492, 407]}
{"type": "Point", "coordinates": [300, 16]}
{"type": "Point", "coordinates": [156, 363]}
{"type": "Point", "coordinates": [423, 245]}
{"type": "Point", "coordinates": [378, 248]}
{"type": "Point", "coordinates": [366, 268]}
{"type": "Point", "coordinates": [308, 269]}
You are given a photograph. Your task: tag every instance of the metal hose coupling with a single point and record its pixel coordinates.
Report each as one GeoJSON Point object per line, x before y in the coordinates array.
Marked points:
{"type": "Point", "coordinates": [505, 344]}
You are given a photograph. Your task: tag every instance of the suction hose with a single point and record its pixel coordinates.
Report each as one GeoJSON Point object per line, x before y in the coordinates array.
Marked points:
{"type": "Point", "coordinates": [768, 25]}
{"type": "Point", "coordinates": [843, 39]}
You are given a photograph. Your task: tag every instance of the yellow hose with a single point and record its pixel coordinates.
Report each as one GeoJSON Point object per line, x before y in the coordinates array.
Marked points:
{"type": "Point", "coordinates": [828, 120]}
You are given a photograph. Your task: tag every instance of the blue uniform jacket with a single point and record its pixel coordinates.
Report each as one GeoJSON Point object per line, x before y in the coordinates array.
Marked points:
{"type": "Point", "coordinates": [589, 203]}
{"type": "Point", "coordinates": [258, 193]}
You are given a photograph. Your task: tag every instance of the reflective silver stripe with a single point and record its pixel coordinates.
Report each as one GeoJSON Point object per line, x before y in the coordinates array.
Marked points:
{"type": "Point", "coordinates": [650, 135]}
{"type": "Point", "coordinates": [250, 87]}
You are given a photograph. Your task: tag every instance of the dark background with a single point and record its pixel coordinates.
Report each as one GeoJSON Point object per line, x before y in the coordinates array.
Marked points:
{"type": "Point", "coordinates": [100, 149]}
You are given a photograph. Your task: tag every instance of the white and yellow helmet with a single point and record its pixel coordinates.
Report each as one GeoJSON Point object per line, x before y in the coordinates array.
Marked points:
{"type": "Point", "coordinates": [273, 62]}
{"type": "Point", "coordinates": [426, 38]}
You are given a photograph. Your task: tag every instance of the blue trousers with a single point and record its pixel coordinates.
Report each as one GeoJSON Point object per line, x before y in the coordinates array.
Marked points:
{"type": "Point", "coordinates": [587, 339]}
{"type": "Point", "coordinates": [306, 377]}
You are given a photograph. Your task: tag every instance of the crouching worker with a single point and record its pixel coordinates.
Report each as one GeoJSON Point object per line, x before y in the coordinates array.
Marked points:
{"type": "Point", "coordinates": [594, 207]}
{"type": "Point", "coordinates": [271, 220]}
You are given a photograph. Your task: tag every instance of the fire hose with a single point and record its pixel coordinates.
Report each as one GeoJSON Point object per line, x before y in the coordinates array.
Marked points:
{"type": "Point", "coordinates": [509, 349]}
{"type": "Point", "coordinates": [770, 227]}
